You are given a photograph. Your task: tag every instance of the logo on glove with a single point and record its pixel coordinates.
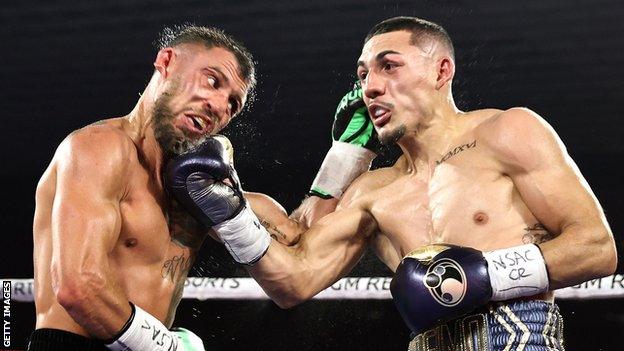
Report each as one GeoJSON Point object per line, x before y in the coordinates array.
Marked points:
{"type": "Point", "coordinates": [446, 282]}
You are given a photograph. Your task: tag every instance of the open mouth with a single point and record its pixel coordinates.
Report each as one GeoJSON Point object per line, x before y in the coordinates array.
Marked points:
{"type": "Point", "coordinates": [380, 115]}
{"type": "Point", "coordinates": [197, 124]}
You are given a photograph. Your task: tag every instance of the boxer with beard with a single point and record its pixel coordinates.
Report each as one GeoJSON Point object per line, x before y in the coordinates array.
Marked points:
{"type": "Point", "coordinates": [111, 251]}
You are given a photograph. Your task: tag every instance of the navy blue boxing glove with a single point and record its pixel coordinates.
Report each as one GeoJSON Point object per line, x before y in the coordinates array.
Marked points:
{"type": "Point", "coordinates": [204, 182]}
{"type": "Point", "coordinates": [437, 283]}
{"type": "Point", "coordinates": [430, 286]}
{"type": "Point", "coordinates": [196, 180]}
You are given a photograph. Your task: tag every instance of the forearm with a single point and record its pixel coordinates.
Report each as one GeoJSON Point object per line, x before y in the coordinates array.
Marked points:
{"type": "Point", "coordinates": [106, 314]}
{"type": "Point", "coordinates": [95, 302]}
{"type": "Point", "coordinates": [326, 252]}
{"type": "Point", "coordinates": [274, 218]}
{"type": "Point", "coordinates": [290, 277]}
{"type": "Point", "coordinates": [578, 254]}
{"type": "Point", "coordinates": [83, 281]}
{"type": "Point", "coordinates": [282, 275]}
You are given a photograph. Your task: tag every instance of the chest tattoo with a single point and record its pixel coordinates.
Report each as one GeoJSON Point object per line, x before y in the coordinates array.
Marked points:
{"type": "Point", "coordinates": [457, 150]}
{"type": "Point", "coordinates": [176, 266]}
{"type": "Point", "coordinates": [185, 232]}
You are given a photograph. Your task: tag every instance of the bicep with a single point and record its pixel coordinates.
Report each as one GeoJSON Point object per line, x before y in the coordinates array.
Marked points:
{"type": "Point", "coordinates": [86, 218]}
{"type": "Point", "coordinates": [82, 222]}
{"type": "Point", "coordinates": [337, 241]}
{"type": "Point", "coordinates": [545, 176]}
{"type": "Point", "coordinates": [339, 238]}
{"type": "Point", "coordinates": [557, 194]}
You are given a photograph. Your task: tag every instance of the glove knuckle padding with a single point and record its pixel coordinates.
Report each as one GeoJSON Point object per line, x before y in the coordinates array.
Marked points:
{"type": "Point", "coordinates": [439, 283]}
{"type": "Point", "coordinates": [344, 118]}
{"type": "Point", "coordinates": [203, 190]}
{"type": "Point", "coordinates": [352, 123]}
{"type": "Point", "coordinates": [195, 179]}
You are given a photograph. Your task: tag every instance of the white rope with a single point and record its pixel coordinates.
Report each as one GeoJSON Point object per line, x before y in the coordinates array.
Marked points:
{"type": "Point", "coordinates": [356, 288]}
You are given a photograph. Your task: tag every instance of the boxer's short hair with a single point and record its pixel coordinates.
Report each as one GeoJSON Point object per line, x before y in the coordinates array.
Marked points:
{"type": "Point", "coordinates": [419, 28]}
{"type": "Point", "coordinates": [211, 37]}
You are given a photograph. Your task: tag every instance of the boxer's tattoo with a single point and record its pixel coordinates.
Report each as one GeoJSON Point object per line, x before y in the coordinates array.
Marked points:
{"type": "Point", "coordinates": [273, 231]}
{"type": "Point", "coordinates": [457, 150]}
{"type": "Point", "coordinates": [183, 228]}
{"type": "Point", "coordinates": [536, 234]}
{"type": "Point", "coordinates": [177, 265]}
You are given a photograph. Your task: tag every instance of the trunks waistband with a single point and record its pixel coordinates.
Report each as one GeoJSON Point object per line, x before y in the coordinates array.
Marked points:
{"type": "Point", "coordinates": [516, 325]}
{"type": "Point", "coordinates": [56, 340]}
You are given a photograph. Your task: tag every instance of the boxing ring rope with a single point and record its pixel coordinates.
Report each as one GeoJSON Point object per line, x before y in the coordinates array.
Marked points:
{"type": "Point", "coordinates": [354, 288]}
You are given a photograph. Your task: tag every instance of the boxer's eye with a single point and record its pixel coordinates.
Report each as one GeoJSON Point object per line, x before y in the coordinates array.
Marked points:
{"type": "Point", "coordinates": [212, 81]}
{"type": "Point", "coordinates": [389, 66]}
{"type": "Point", "coordinates": [362, 75]}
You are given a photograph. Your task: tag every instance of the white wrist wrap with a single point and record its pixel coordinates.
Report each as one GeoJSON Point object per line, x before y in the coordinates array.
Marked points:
{"type": "Point", "coordinates": [516, 271]}
{"type": "Point", "coordinates": [145, 333]}
{"type": "Point", "coordinates": [244, 237]}
{"type": "Point", "coordinates": [343, 163]}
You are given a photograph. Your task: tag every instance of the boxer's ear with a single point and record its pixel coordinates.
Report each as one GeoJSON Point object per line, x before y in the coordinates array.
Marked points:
{"type": "Point", "coordinates": [446, 71]}
{"type": "Point", "coordinates": [163, 60]}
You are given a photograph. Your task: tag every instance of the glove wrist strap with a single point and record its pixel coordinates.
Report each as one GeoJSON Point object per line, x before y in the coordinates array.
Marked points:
{"type": "Point", "coordinates": [244, 237]}
{"type": "Point", "coordinates": [343, 163]}
{"type": "Point", "coordinates": [139, 334]}
{"type": "Point", "coordinates": [517, 271]}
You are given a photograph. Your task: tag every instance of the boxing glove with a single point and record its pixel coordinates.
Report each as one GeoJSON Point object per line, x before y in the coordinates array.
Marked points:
{"type": "Point", "coordinates": [437, 283]}
{"type": "Point", "coordinates": [354, 146]}
{"type": "Point", "coordinates": [204, 181]}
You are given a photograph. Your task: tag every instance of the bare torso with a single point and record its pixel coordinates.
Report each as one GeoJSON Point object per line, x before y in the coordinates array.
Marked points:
{"type": "Point", "coordinates": [151, 257]}
{"type": "Point", "coordinates": [464, 200]}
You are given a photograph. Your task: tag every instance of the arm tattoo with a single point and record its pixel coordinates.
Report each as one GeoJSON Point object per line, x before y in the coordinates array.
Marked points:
{"type": "Point", "coordinates": [275, 233]}
{"type": "Point", "coordinates": [536, 234]}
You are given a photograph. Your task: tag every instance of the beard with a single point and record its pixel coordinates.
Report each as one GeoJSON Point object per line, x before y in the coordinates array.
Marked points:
{"type": "Point", "coordinates": [172, 141]}
{"type": "Point", "coordinates": [392, 136]}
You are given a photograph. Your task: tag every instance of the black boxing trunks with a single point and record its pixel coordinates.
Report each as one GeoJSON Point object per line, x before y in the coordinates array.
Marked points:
{"type": "Point", "coordinates": [61, 340]}
{"type": "Point", "coordinates": [508, 326]}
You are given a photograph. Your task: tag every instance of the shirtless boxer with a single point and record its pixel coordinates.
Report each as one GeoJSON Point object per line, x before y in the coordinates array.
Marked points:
{"type": "Point", "coordinates": [111, 252]}
{"type": "Point", "coordinates": [481, 218]}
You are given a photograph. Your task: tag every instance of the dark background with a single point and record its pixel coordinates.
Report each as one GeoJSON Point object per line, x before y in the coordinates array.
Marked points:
{"type": "Point", "coordinates": [65, 64]}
